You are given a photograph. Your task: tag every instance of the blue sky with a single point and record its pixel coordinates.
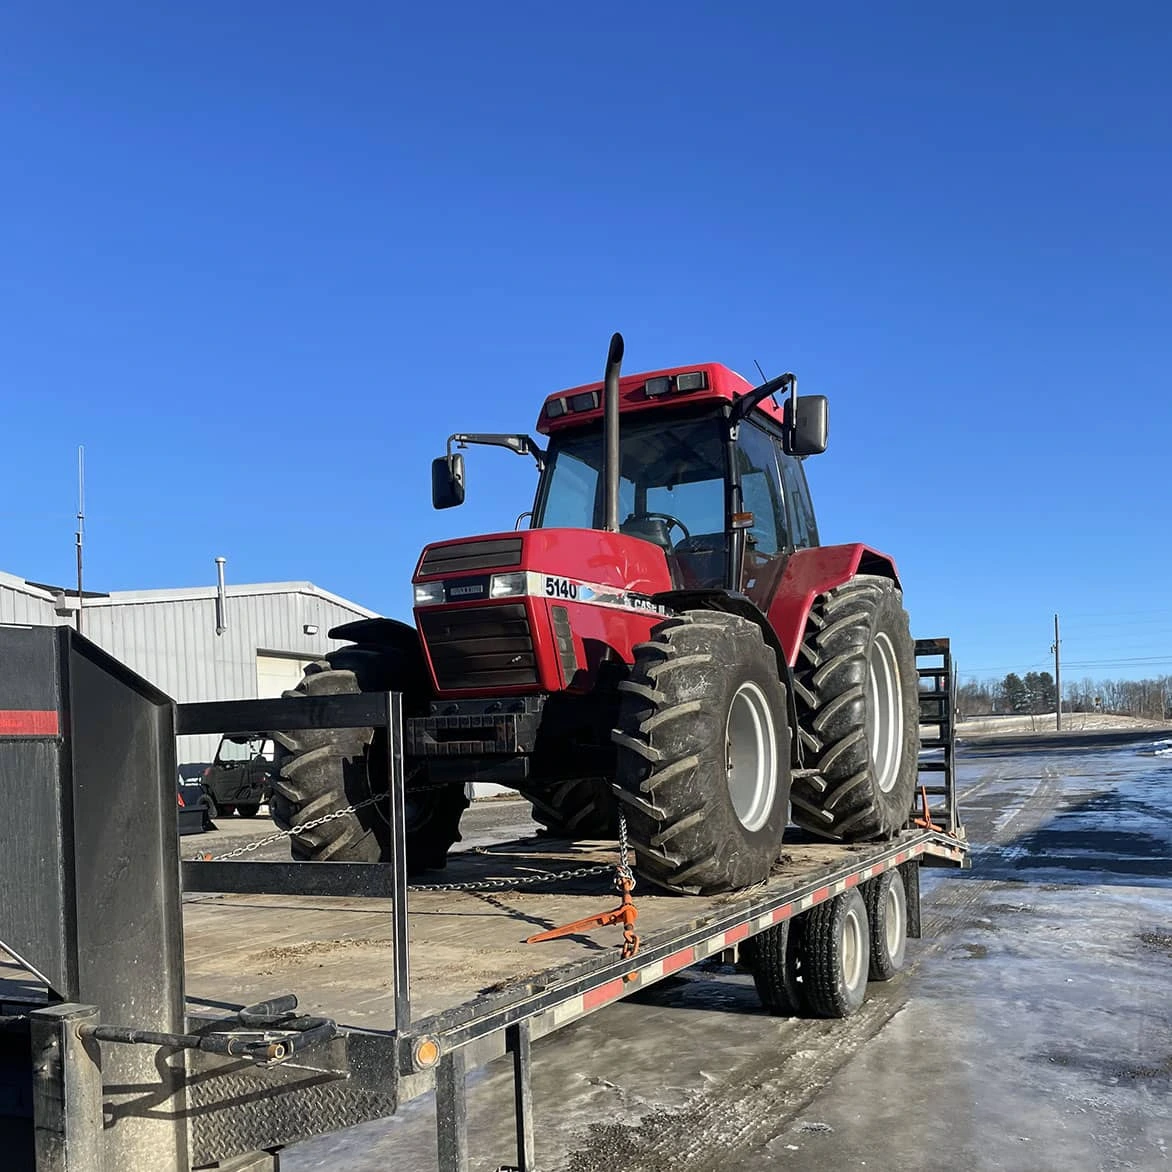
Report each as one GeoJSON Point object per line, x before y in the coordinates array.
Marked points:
{"type": "Point", "coordinates": [261, 259]}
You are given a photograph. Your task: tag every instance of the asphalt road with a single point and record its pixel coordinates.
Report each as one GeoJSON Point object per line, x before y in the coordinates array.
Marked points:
{"type": "Point", "coordinates": [1032, 1031]}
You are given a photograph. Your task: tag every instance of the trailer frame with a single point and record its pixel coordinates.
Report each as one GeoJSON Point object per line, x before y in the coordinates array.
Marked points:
{"type": "Point", "coordinates": [380, 1070]}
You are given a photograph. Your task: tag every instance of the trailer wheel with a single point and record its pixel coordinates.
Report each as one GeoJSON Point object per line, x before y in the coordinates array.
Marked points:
{"type": "Point", "coordinates": [225, 809]}
{"type": "Point", "coordinates": [773, 960]}
{"type": "Point", "coordinates": [575, 809]}
{"type": "Point", "coordinates": [325, 770]}
{"type": "Point", "coordinates": [248, 809]}
{"type": "Point", "coordinates": [858, 713]}
{"type": "Point", "coordinates": [702, 763]}
{"type": "Point", "coordinates": [886, 902]}
{"type": "Point", "coordinates": [834, 955]}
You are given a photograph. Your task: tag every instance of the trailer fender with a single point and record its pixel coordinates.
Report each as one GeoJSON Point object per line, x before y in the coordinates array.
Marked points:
{"type": "Point", "coordinates": [810, 572]}
{"type": "Point", "coordinates": [730, 602]}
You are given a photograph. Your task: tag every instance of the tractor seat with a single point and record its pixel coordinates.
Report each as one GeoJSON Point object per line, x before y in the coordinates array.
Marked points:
{"type": "Point", "coordinates": [652, 529]}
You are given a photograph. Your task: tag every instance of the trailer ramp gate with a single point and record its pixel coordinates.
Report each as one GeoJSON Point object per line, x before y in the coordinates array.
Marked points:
{"type": "Point", "coordinates": [96, 783]}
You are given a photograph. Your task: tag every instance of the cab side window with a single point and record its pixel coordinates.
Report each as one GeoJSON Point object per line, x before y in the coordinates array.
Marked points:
{"type": "Point", "coordinates": [761, 491]}
{"type": "Point", "coordinates": [797, 493]}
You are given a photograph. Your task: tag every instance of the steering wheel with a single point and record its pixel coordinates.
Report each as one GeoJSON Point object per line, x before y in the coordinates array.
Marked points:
{"type": "Point", "coordinates": [670, 522]}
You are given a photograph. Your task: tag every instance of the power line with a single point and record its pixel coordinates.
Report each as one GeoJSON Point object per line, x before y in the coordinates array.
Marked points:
{"type": "Point", "coordinates": [1079, 663]}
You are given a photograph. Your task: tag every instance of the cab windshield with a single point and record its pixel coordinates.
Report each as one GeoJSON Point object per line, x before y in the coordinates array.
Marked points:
{"type": "Point", "coordinates": [671, 490]}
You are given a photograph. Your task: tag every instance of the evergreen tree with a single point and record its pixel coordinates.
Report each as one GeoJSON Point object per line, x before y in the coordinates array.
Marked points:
{"type": "Point", "coordinates": [1014, 691]}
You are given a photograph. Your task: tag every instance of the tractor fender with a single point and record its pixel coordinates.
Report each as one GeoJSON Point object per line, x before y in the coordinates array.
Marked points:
{"type": "Point", "coordinates": [810, 572]}
{"type": "Point", "coordinates": [731, 602]}
{"type": "Point", "coordinates": [380, 632]}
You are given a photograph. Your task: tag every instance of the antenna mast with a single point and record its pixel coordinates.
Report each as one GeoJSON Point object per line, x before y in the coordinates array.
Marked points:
{"type": "Point", "coordinates": [80, 534]}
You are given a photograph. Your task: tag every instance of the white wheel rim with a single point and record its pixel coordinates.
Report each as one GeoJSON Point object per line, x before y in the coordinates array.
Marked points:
{"type": "Point", "coordinates": [893, 926]}
{"type": "Point", "coordinates": [884, 722]}
{"type": "Point", "coordinates": [751, 756]}
{"type": "Point", "coordinates": [852, 950]}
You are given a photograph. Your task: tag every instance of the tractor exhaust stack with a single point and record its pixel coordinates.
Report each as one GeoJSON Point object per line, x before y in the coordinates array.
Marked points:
{"type": "Point", "coordinates": [614, 362]}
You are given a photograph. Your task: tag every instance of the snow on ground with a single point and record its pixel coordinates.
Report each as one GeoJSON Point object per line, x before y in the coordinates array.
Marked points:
{"type": "Point", "coordinates": [1016, 725]}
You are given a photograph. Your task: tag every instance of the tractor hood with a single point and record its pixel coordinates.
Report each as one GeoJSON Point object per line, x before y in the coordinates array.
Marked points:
{"type": "Point", "coordinates": [536, 610]}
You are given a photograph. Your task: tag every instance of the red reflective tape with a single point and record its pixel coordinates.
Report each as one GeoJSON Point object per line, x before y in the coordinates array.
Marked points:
{"type": "Point", "coordinates": [852, 881]}
{"type": "Point", "coordinates": [783, 913]}
{"type": "Point", "coordinates": [901, 857]}
{"type": "Point", "coordinates": [593, 998]}
{"type": "Point", "coordinates": [740, 932]}
{"type": "Point", "coordinates": [28, 724]}
{"type": "Point", "coordinates": [823, 893]}
{"type": "Point", "coordinates": [679, 960]}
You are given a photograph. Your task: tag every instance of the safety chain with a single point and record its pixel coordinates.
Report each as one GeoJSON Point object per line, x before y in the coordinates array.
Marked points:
{"type": "Point", "coordinates": [523, 881]}
{"type": "Point", "coordinates": [624, 876]}
{"type": "Point", "coordinates": [623, 872]}
{"type": "Point", "coordinates": [248, 848]}
{"type": "Point", "coordinates": [252, 846]}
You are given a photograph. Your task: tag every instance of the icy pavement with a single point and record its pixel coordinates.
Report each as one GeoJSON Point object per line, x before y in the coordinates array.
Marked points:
{"type": "Point", "coordinates": [1033, 1030]}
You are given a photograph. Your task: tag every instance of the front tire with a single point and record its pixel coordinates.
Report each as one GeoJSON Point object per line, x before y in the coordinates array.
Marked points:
{"type": "Point", "coordinates": [322, 771]}
{"type": "Point", "coordinates": [858, 713]}
{"type": "Point", "coordinates": [703, 766]}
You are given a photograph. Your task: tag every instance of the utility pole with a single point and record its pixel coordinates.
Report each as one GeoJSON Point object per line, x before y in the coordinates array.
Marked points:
{"type": "Point", "coordinates": [1057, 674]}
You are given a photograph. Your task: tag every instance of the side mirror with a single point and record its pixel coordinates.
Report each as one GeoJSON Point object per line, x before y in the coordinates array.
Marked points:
{"type": "Point", "coordinates": [806, 436]}
{"type": "Point", "coordinates": [447, 481]}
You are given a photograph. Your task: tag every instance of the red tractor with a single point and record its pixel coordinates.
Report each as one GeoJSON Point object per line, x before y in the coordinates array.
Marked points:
{"type": "Point", "coordinates": [667, 637]}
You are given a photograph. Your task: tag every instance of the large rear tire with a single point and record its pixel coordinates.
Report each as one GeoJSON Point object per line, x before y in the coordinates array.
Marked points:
{"type": "Point", "coordinates": [858, 713]}
{"type": "Point", "coordinates": [703, 764]}
{"type": "Point", "coordinates": [321, 771]}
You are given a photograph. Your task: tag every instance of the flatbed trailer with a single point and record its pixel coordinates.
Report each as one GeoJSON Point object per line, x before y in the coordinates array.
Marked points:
{"type": "Point", "coordinates": [152, 1026]}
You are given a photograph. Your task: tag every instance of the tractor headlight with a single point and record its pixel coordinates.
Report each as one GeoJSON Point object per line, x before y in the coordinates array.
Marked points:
{"type": "Point", "coordinates": [428, 593]}
{"type": "Point", "coordinates": [507, 585]}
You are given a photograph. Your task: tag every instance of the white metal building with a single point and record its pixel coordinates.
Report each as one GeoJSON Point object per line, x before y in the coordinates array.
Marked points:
{"type": "Point", "coordinates": [270, 630]}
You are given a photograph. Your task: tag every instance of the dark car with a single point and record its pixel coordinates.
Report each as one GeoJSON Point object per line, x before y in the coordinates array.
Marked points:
{"type": "Point", "coordinates": [240, 778]}
{"type": "Point", "coordinates": [195, 810]}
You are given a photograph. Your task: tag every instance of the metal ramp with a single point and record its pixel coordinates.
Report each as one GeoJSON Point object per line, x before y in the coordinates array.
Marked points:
{"type": "Point", "coordinates": [937, 764]}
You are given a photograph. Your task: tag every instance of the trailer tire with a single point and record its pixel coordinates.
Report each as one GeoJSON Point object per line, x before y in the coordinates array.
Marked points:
{"type": "Point", "coordinates": [703, 763]}
{"type": "Point", "coordinates": [773, 961]}
{"type": "Point", "coordinates": [225, 809]}
{"type": "Point", "coordinates": [324, 770]}
{"type": "Point", "coordinates": [834, 955]}
{"type": "Point", "coordinates": [575, 809]}
{"type": "Point", "coordinates": [858, 713]}
{"type": "Point", "coordinates": [248, 809]}
{"type": "Point", "coordinates": [886, 902]}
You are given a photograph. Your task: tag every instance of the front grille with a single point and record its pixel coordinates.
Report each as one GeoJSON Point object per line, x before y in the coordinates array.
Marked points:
{"type": "Point", "coordinates": [480, 646]}
{"type": "Point", "coordinates": [472, 555]}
